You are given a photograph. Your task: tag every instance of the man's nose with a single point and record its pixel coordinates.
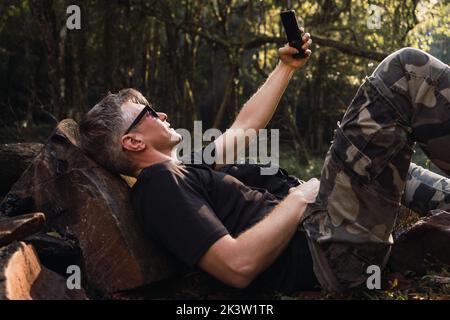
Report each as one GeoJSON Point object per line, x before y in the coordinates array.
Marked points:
{"type": "Point", "coordinates": [162, 116]}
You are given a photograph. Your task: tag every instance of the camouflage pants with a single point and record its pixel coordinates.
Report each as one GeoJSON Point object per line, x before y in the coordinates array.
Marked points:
{"type": "Point", "coordinates": [349, 227]}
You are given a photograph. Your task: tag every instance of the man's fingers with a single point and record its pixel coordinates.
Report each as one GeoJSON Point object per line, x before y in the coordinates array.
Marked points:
{"type": "Point", "coordinates": [307, 44]}
{"type": "Point", "coordinates": [287, 50]}
{"type": "Point", "coordinates": [306, 37]}
{"type": "Point", "coordinates": [307, 41]}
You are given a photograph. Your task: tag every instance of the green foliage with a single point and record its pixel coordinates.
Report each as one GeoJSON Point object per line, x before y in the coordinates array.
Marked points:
{"type": "Point", "coordinates": [289, 161]}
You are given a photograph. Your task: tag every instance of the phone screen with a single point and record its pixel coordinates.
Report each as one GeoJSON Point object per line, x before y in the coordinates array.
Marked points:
{"type": "Point", "coordinates": [290, 25]}
{"type": "Point", "coordinates": [293, 33]}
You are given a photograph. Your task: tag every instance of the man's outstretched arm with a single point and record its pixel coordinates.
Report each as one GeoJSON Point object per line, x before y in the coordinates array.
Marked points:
{"type": "Point", "coordinates": [259, 109]}
{"type": "Point", "coordinates": [237, 261]}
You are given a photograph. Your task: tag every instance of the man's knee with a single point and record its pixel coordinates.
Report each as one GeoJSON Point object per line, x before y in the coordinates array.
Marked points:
{"type": "Point", "coordinates": [412, 56]}
{"type": "Point", "coordinates": [410, 52]}
{"type": "Point", "coordinates": [405, 71]}
{"type": "Point", "coordinates": [393, 67]}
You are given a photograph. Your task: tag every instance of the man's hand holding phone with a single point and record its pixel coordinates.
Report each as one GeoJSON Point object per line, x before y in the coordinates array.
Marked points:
{"type": "Point", "coordinates": [296, 52]}
{"type": "Point", "coordinates": [286, 53]}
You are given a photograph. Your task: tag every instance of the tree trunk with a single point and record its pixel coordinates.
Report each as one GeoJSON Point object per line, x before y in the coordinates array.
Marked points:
{"type": "Point", "coordinates": [23, 278]}
{"type": "Point", "coordinates": [299, 146]}
{"type": "Point", "coordinates": [54, 39]}
{"type": "Point", "coordinates": [110, 44]}
{"type": "Point", "coordinates": [226, 98]}
{"type": "Point", "coordinates": [14, 159]}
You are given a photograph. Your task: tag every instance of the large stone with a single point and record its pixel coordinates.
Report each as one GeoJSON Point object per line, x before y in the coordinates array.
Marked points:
{"type": "Point", "coordinates": [23, 278]}
{"type": "Point", "coordinates": [85, 202]}
{"type": "Point", "coordinates": [424, 244]}
{"type": "Point", "coordinates": [18, 228]}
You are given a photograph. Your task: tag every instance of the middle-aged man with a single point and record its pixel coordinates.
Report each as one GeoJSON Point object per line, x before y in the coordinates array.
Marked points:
{"type": "Point", "coordinates": [245, 236]}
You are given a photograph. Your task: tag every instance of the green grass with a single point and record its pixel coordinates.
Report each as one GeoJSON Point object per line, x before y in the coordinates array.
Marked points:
{"type": "Point", "coordinates": [289, 161]}
{"type": "Point", "coordinates": [422, 160]}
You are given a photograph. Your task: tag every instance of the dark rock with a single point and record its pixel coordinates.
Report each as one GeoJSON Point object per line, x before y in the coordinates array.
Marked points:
{"type": "Point", "coordinates": [83, 201]}
{"type": "Point", "coordinates": [23, 278]}
{"type": "Point", "coordinates": [424, 244]}
{"type": "Point", "coordinates": [12, 229]}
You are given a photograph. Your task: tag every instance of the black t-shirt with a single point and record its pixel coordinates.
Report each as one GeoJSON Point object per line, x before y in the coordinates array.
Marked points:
{"type": "Point", "coordinates": [188, 207]}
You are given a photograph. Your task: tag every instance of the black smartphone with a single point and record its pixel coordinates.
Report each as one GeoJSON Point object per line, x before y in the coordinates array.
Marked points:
{"type": "Point", "coordinates": [293, 33]}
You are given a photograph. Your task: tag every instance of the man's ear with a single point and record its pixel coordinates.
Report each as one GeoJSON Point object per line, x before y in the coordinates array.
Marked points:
{"type": "Point", "coordinates": [133, 142]}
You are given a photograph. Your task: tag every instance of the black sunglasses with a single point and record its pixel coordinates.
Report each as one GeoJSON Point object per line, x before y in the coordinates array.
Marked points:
{"type": "Point", "coordinates": [144, 111]}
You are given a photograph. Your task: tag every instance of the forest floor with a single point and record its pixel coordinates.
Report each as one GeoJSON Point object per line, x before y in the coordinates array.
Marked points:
{"type": "Point", "coordinates": [198, 286]}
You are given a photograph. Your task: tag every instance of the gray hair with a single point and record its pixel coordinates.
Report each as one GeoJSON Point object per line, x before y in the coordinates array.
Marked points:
{"type": "Point", "coordinates": [104, 125]}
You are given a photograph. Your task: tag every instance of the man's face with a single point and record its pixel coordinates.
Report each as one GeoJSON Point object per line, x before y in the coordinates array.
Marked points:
{"type": "Point", "coordinates": [155, 132]}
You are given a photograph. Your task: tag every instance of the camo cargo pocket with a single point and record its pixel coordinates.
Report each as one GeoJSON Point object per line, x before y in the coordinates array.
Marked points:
{"type": "Point", "coordinates": [370, 136]}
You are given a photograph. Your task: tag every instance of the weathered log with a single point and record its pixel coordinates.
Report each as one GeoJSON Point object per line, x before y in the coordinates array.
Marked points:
{"type": "Point", "coordinates": [55, 252]}
{"type": "Point", "coordinates": [13, 229]}
{"type": "Point", "coordinates": [23, 278]}
{"type": "Point", "coordinates": [83, 201]}
{"type": "Point", "coordinates": [425, 243]}
{"type": "Point", "coordinates": [14, 159]}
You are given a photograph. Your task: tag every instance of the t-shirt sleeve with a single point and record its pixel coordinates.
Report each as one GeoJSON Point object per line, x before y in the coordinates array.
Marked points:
{"type": "Point", "coordinates": [178, 216]}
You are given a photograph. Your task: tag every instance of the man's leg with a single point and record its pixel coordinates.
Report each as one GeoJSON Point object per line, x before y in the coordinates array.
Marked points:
{"type": "Point", "coordinates": [426, 191]}
{"type": "Point", "coordinates": [350, 225]}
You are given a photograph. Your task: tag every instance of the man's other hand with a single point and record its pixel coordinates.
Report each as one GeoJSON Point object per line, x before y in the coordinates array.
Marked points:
{"type": "Point", "coordinates": [286, 53]}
